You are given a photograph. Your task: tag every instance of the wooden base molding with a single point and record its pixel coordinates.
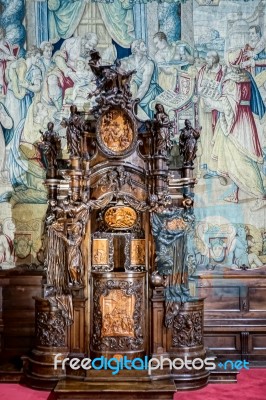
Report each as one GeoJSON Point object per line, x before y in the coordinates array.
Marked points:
{"type": "Point", "coordinates": [73, 390]}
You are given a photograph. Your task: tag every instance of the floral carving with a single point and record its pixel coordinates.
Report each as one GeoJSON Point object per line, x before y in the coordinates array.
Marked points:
{"type": "Point", "coordinates": [50, 329]}
{"type": "Point", "coordinates": [187, 330]}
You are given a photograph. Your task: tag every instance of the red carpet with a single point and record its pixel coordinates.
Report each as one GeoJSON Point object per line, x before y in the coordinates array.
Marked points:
{"type": "Point", "coordinates": [251, 385]}
{"type": "Point", "coordinates": [13, 391]}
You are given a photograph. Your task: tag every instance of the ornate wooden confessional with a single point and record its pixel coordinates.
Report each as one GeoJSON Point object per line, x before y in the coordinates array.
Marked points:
{"type": "Point", "coordinates": [115, 240]}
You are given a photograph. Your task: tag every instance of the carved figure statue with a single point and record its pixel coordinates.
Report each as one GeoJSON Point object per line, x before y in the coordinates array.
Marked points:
{"type": "Point", "coordinates": [6, 246]}
{"type": "Point", "coordinates": [170, 229]}
{"type": "Point", "coordinates": [71, 251]}
{"type": "Point", "coordinates": [56, 258]}
{"type": "Point", "coordinates": [188, 143]}
{"type": "Point", "coordinates": [112, 84]}
{"type": "Point", "coordinates": [74, 125]}
{"type": "Point", "coordinates": [50, 146]}
{"type": "Point", "coordinates": [80, 213]}
{"type": "Point", "coordinates": [74, 257]}
{"type": "Point", "coordinates": [163, 125]}
{"type": "Point", "coordinates": [124, 78]}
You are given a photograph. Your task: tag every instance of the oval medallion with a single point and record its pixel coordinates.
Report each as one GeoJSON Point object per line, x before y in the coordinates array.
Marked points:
{"type": "Point", "coordinates": [116, 133]}
{"type": "Point", "coordinates": [120, 217]}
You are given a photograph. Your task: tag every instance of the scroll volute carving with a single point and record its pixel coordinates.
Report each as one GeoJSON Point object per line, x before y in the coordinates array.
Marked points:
{"type": "Point", "coordinates": [122, 181]}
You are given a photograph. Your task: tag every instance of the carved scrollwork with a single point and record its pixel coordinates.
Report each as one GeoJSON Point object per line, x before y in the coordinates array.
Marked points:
{"type": "Point", "coordinates": [115, 179]}
{"type": "Point", "coordinates": [50, 328]}
{"type": "Point", "coordinates": [134, 340]}
{"type": "Point", "coordinates": [135, 268]}
{"type": "Point", "coordinates": [158, 203]}
{"type": "Point", "coordinates": [138, 205]}
{"type": "Point", "coordinates": [187, 330]}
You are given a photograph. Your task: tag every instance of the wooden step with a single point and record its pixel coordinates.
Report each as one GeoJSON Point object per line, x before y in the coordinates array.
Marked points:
{"type": "Point", "coordinates": [76, 390]}
{"type": "Point", "coordinates": [222, 376]}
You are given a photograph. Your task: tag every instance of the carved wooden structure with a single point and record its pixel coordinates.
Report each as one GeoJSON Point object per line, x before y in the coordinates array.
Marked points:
{"type": "Point", "coordinates": [116, 232]}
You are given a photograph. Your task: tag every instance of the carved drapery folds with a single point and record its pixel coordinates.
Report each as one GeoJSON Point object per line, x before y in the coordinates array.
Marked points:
{"type": "Point", "coordinates": [74, 125]}
{"type": "Point", "coordinates": [163, 127]}
{"type": "Point", "coordinates": [50, 148]}
{"type": "Point", "coordinates": [170, 229]}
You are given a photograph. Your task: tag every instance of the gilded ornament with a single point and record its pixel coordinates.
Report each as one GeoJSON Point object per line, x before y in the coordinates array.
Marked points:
{"type": "Point", "coordinates": [116, 131]}
{"type": "Point", "coordinates": [120, 217]}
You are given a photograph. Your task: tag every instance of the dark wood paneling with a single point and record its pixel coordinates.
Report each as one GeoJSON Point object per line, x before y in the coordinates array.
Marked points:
{"type": "Point", "coordinates": [259, 342]}
{"type": "Point", "coordinates": [77, 340]}
{"type": "Point", "coordinates": [222, 298]}
{"type": "Point", "coordinates": [223, 342]}
{"type": "Point", "coordinates": [19, 312]}
{"type": "Point", "coordinates": [235, 315]}
{"type": "Point", "coordinates": [257, 299]}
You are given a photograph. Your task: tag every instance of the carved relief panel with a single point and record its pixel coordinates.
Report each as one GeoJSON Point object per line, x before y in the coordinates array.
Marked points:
{"type": "Point", "coordinates": [118, 244]}
{"type": "Point", "coordinates": [116, 132]}
{"type": "Point", "coordinates": [102, 252]}
{"type": "Point", "coordinates": [117, 311]}
{"type": "Point", "coordinates": [137, 254]}
{"type": "Point", "coordinates": [118, 314]}
{"type": "Point", "coordinates": [120, 217]}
